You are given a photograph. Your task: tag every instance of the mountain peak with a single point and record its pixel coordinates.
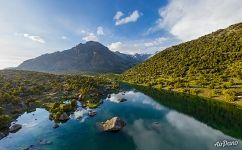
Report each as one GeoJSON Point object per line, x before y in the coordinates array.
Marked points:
{"type": "Point", "coordinates": [88, 57]}
{"type": "Point", "coordinates": [93, 43]}
{"type": "Point", "coordinates": [89, 43]}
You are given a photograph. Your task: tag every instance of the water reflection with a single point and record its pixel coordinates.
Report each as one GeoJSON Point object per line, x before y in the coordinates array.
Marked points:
{"type": "Point", "coordinates": [135, 97]}
{"type": "Point", "coordinates": [177, 130]}
{"type": "Point", "coordinates": [144, 136]}
{"type": "Point", "coordinates": [150, 126]}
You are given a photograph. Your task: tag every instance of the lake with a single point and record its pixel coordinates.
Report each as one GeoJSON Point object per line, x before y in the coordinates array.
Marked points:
{"type": "Point", "coordinates": [150, 126]}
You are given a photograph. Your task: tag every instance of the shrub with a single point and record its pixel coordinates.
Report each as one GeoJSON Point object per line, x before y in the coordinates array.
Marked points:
{"type": "Point", "coordinates": [66, 107]}
{"type": "Point", "coordinates": [229, 95]}
{"type": "Point", "coordinates": [56, 105]}
{"type": "Point", "coordinates": [5, 121]}
{"type": "Point", "coordinates": [1, 110]}
{"type": "Point", "coordinates": [57, 115]}
{"type": "Point", "coordinates": [211, 86]}
{"type": "Point", "coordinates": [210, 94]}
{"type": "Point", "coordinates": [194, 91]}
{"type": "Point", "coordinates": [73, 103]}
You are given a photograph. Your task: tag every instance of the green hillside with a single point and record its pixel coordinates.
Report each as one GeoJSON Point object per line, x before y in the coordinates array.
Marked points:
{"type": "Point", "coordinates": [209, 66]}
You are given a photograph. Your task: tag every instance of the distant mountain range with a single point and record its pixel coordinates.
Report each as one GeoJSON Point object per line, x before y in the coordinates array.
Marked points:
{"type": "Point", "coordinates": [91, 57]}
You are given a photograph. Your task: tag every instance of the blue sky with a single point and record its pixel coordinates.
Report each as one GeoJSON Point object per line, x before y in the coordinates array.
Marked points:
{"type": "Point", "coordinates": [29, 28]}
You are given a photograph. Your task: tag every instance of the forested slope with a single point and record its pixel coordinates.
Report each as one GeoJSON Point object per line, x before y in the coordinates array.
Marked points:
{"type": "Point", "coordinates": [213, 61]}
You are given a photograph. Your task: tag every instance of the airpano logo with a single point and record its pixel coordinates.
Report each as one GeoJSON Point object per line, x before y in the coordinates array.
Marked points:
{"type": "Point", "coordinates": [226, 143]}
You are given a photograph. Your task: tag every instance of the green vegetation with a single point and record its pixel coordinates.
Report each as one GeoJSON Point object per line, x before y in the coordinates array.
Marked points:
{"type": "Point", "coordinates": [22, 91]}
{"type": "Point", "coordinates": [210, 66]}
{"type": "Point", "coordinates": [5, 121]}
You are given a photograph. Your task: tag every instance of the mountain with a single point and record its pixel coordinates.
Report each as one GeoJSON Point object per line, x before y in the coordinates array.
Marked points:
{"type": "Point", "coordinates": [136, 57]}
{"type": "Point", "coordinates": [89, 57]}
{"type": "Point", "coordinates": [213, 61]}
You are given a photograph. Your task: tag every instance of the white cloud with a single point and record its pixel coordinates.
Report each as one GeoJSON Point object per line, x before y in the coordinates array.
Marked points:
{"type": "Point", "coordinates": [100, 30]}
{"type": "Point", "coordinates": [142, 46]}
{"type": "Point", "coordinates": [83, 31]}
{"type": "Point", "coordinates": [34, 38]}
{"type": "Point", "coordinates": [118, 15]}
{"type": "Point", "coordinates": [156, 42]}
{"type": "Point", "coordinates": [63, 37]}
{"type": "Point", "coordinates": [125, 47]}
{"type": "Point", "coordinates": [132, 18]}
{"type": "Point", "coordinates": [90, 37]}
{"type": "Point", "coordinates": [187, 19]}
{"type": "Point", "coordinates": [116, 46]}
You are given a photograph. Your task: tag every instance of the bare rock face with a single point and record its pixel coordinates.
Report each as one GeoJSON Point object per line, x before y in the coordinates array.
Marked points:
{"type": "Point", "coordinates": [113, 125]}
{"type": "Point", "coordinates": [15, 128]}
{"type": "Point", "coordinates": [64, 117]}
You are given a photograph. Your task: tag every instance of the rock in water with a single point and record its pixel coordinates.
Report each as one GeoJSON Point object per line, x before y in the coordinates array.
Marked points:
{"type": "Point", "coordinates": [45, 142]}
{"type": "Point", "coordinates": [2, 135]}
{"type": "Point", "coordinates": [64, 117]}
{"type": "Point", "coordinates": [122, 100]}
{"type": "Point", "coordinates": [113, 125]}
{"type": "Point", "coordinates": [15, 128]}
{"type": "Point", "coordinates": [55, 125]}
{"type": "Point", "coordinates": [92, 113]}
{"type": "Point", "coordinates": [51, 116]}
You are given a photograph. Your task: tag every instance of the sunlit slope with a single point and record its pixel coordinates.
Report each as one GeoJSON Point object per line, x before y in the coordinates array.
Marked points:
{"type": "Point", "coordinates": [213, 61]}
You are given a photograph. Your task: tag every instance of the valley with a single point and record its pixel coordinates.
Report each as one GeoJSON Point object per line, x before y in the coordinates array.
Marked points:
{"type": "Point", "coordinates": [79, 89]}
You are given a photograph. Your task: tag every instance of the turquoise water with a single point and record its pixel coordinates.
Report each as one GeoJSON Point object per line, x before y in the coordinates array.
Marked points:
{"type": "Point", "coordinates": [150, 126]}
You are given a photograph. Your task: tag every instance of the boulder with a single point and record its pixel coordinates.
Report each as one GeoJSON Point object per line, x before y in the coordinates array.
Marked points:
{"type": "Point", "coordinates": [45, 142]}
{"type": "Point", "coordinates": [93, 94]}
{"type": "Point", "coordinates": [112, 125]}
{"type": "Point", "coordinates": [64, 117]}
{"type": "Point", "coordinates": [27, 148]}
{"type": "Point", "coordinates": [2, 135]}
{"type": "Point", "coordinates": [15, 128]}
{"type": "Point", "coordinates": [80, 97]}
{"type": "Point", "coordinates": [51, 116]}
{"type": "Point", "coordinates": [122, 100]}
{"type": "Point", "coordinates": [92, 113]}
{"type": "Point", "coordinates": [55, 125]}
{"type": "Point", "coordinates": [78, 117]}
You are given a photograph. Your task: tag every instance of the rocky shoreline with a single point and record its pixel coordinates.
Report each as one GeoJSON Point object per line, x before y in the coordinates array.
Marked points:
{"type": "Point", "coordinates": [30, 90]}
